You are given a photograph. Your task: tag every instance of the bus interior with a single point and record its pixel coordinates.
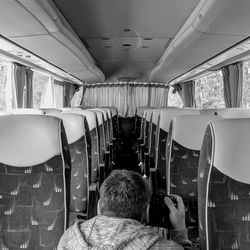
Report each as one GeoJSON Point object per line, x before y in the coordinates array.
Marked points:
{"type": "Point", "coordinates": [160, 87]}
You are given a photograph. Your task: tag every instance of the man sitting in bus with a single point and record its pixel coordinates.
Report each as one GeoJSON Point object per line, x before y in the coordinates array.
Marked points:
{"type": "Point", "coordinates": [124, 199]}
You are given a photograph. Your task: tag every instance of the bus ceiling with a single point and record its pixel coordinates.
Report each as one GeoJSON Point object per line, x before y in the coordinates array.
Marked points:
{"type": "Point", "coordinates": [147, 40]}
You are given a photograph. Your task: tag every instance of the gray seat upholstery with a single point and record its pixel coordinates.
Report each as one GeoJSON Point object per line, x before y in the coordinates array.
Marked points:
{"type": "Point", "coordinates": [34, 181]}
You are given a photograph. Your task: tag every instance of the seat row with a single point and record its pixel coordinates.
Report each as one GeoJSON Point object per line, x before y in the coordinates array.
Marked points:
{"type": "Point", "coordinates": [210, 172]}
{"type": "Point", "coordinates": [51, 167]}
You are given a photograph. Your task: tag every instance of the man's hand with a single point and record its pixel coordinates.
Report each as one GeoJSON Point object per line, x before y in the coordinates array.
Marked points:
{"type": "Point", "coordinates": [177, 214]}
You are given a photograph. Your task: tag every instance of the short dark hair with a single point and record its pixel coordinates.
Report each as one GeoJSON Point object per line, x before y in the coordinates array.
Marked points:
{"type": "Point", "coordinates": [124, 194]}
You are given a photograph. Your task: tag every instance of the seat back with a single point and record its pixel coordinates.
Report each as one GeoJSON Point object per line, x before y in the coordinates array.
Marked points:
{"type": "Point", "coordinates": [166, 116]}
{"type": "Point", "coordinates": [184, 142]}
{"type": "Point", "coordinates": [34, 181]}
{"type": "Point", "coordinates": [224, 185]}
{"type": "Point", "coordinates": [4, 113]}
{"type": "Point", "coordinates": [229, 113]}
{"type": "Point", "coordinates": [27, 111]}
{"type": "Point", "coordinates": [94, 157]}
{"type": "Point", "coordinates": [74, 125]}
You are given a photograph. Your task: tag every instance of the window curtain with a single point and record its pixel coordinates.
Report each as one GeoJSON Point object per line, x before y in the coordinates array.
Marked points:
{"type": "Point", "coordinates": [47, 100]}
{"type": "Point", "coordinates": [69, 91]}
{"type": "Point", "coordinates": [232, 83]}
{"type": "Point", "coordinates": [126, 96]}
{"type": "Point", "coordinates": [58, 94]}
{"type": "Point", "coordinates": [29, 89]}
{"type": "Point", "coordinates": [186, 90]}
{"type": "Point", "coordinates": [158, 96]}
{"type": "Point", "coordinates": [18, 86]}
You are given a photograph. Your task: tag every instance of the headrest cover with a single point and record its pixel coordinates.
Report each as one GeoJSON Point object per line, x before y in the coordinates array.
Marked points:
{"type": "Point", "coordinates": [91, 117]}
{"type": "Point", "coordinates": [27, 111]}
{"type": "Point", "coordinates": [73, 124]}
{"type": "Point", "coordinates": [168, 114]}
{"type": "Point", "coordinates": [156, 113]}
{"type": "Point", "coordinates": [51, 110]}
{"type": "Point", "coordinates": [113, 110]}
{"type": "Point", "coordinates": [140, 110]}
{"type": "Point", "coordinates": [104, 112]}
{"type": "Point", "coordinates": [234, 113]}
{"type": "Point", "coordinates": [231, 148]}
{"type": "Point", "coordinates": [149, 114]}
{"type": "Point", "coordinates": [108, 112]}
{"type": "Point", "coordinates": [208, 111]}
{"type": "Point", "coordinates": [28, 140]}
{"type": "Point", "coordinates": [99, 115]}
{"type": "Point", "coordinates": [189, 130]}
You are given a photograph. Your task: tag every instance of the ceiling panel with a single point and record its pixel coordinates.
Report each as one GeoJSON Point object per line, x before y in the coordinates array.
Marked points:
{"type": "Point", "coordinates": [126, 31]}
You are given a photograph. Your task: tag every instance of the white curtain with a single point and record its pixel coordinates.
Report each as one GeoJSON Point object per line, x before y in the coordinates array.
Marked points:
{"type": "Point", "coordinates": [58, 94]}
{"type": "Point", "coordinates": [126, 96]}
{"type": "Point", "coordinates": [158, 97]}
{"type": "Point", "coordinates": [47, 100]}
{"type": "Point", "coordinates": [232, 82]}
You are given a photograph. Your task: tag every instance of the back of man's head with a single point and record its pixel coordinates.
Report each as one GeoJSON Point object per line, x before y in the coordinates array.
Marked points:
{"type": "Point", "coordinates": [124, 194]}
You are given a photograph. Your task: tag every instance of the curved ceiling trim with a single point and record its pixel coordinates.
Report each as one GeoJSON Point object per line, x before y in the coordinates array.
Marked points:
{"type": "Point", "coordinates": [58, 29]}
{"type": "Point", "coordinates": [203, 16]}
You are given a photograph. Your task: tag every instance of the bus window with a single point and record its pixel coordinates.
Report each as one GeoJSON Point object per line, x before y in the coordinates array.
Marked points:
{"type": "Point", "coordinates": [40, 82]}
{"type": "Point", "coordinates": [76, 100]}
{"type": "Point", "coordinates": [174, 99]}
{"type": "Point", "coordinates": [246, 85]}
{"type": "Point", "coordinates": [209, 91]}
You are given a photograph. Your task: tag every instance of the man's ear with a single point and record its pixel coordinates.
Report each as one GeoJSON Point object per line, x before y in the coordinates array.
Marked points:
{"type": "Point", "coordinates": [145, 215]}
{"type": "Point", "coordinates": [98, 207]}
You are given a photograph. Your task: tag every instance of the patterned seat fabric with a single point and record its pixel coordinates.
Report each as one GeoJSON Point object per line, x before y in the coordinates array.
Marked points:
{"type": "Point", "coordinates": [34, 182]}
{"type": "Point", "coordinates": [76, 133]}
{"type": "Point", "coordinates": [184, 142]}
{"type": "Point", "coordinates": [224, 186]}
{"type": "Point", "coordinates": [166, 115]}
{"type": "Point", "coordinates": [92, 141]}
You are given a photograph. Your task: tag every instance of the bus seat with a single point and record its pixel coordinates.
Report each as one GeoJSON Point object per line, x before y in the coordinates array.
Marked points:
{"type": "Point", "coordinates": [83, 107]}
{"type": "Point", "coordinates": [138, 119]}
{"type": "Point", "coordinates": [34, 182]}
{"type": "Point", "coordinates": [94, 158]}
{"type": "Point", "coordinates": [76, 132]}
{"type": "Point", "coordinates": [224, 185]}
{"type": "Point", "coordinates": [184, 142]}
{"type": "Point", "coordinates": [141, 141]}
{"type": "Point", "coordinates": [51, 110]}
{"type": "Point", "coordinates": [229, 113]}
{"type": "Point", "coordinates": [27, 111]}
{"type": "Point", "coordinates": [166, 116]}
{"type": "Point", "coordinates": [208, 111]}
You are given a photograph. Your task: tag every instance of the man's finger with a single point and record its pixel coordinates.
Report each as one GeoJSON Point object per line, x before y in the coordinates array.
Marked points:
{"type": "Point", "coordinates": [180, 204]}
{"type": "Point", "coordinates": [170, 204]}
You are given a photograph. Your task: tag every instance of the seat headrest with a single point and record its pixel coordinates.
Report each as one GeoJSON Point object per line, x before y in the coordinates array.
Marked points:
{"type": "Point", "coordinates": [51, 110]}
{"type": "Point", "coordinates": [189, 130]}
{"type": "Point", "coordinates": [27, 111]}
{"type": "Point", "coordinates": [73, 124]}
{"type": "Point", "coordinates": [140, 110]}
{"type": "Point", "coordinates": [99, 115]}
{"type": "Point", "coordinates": [91, 117]}
{"type": "Point", "coordinates": [113, 110]}
{"type": "Point", "coordinates": [28, 140]}
{"type": "Point", "coordinates": [229, 113]}
{"type": "Point", "coordinates": [231, 148]}
{"type": "Point", "coordinates": [208, 111]}
{"type": "Point", "coordinates": [156, 113]}
{"type": "Point", "coordinates": [168, 114]}
{"type": "Point", "coordinates": [104, 112]}
{"type": "Point", "coordinates": [148, 114]}
{"type": "Point", "coordinates": [108, 112]}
